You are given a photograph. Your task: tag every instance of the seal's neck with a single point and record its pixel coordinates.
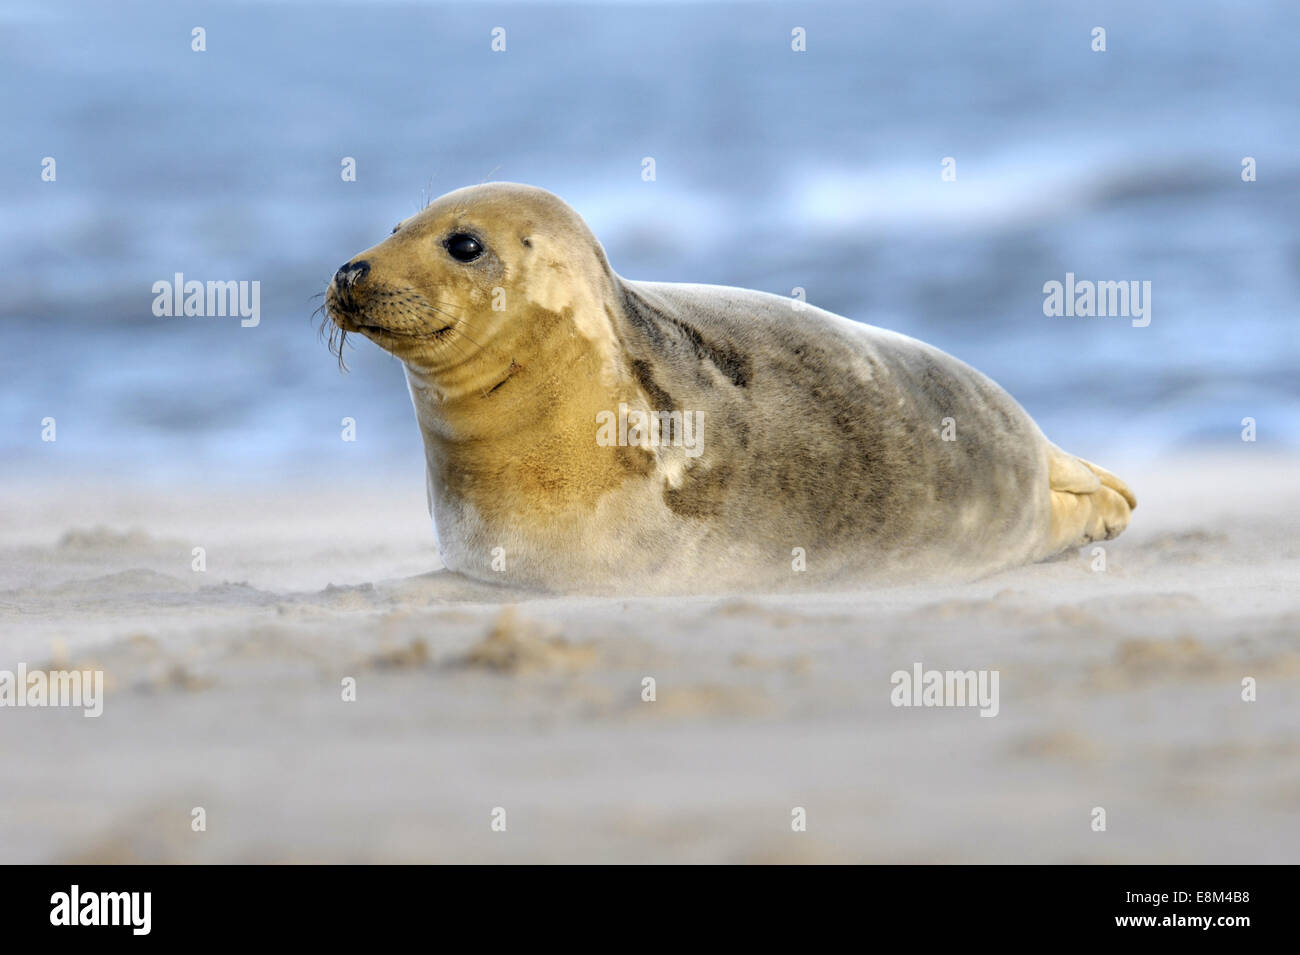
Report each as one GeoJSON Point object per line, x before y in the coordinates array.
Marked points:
{"type": "Point", "coordinates": [525, 434]}
{"type": "Point", "coordinates": [535, 367]}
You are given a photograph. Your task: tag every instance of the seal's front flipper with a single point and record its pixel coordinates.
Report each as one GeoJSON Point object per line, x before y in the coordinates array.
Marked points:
{"type": "Point", "coordinates": [1088, 502]}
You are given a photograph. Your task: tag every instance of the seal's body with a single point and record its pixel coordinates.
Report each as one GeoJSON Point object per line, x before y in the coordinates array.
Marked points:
{"type": "Point", "coordinates": [588, 433]}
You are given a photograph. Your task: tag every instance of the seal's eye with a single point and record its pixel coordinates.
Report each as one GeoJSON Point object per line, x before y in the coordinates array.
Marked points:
{"type": "Point", "coordinates": [463, 247]}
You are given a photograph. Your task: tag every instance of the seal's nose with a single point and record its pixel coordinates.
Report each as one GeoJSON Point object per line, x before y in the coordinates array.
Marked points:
{"type": "Point", "coordinates": [351, 273]}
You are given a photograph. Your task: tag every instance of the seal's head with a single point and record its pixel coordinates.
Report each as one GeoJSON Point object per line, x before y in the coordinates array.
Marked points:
{"type": "Point", "coordinates": [480, 278]}
{"type": "Point", "coordinates": [502, 306]}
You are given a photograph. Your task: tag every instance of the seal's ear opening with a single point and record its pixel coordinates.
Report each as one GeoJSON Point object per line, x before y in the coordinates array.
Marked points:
{"type": "Point", "coordinates": [527, 240]}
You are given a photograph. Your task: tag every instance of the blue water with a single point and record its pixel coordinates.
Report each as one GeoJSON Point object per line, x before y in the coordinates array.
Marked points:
{"type": "Point", "coordinates": [775, 169]}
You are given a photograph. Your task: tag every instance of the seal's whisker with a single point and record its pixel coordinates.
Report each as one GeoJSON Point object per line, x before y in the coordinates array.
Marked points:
{"type": "Point", "coordinates": [458, 327]}
{"type": "Point", "coordinates": [455, 319]}
{"type": "Point", "coordinates": [338, 351]}
{"type": "Point", "coordinates": [465, 355]}
{"type": "Point", "coordinates": [458, 322]}
{"type": "Point", "coordinates": [323, 312]}
{"type": "Point", "coordinates": [447, 309]}
{"type": "Point", "coordinates": [337, 336]}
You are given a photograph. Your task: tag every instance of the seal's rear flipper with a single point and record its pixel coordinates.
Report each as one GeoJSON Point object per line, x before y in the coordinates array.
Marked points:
{"type": "Point", "coordinates": [1088, 503]}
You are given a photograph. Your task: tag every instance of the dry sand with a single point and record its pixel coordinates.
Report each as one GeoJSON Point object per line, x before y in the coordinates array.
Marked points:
{"type": "Point", "coordinates": [1119, 689]}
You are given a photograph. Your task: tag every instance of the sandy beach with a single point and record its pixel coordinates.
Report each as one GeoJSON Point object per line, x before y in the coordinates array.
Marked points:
{"type": "Point", "coordinates": [199, 507]}
{"type": "Point", "coordinates": [1119, 689]}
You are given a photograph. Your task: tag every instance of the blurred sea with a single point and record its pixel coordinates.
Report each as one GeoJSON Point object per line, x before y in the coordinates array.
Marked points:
{"type": "Point", "coordinates": [775, 169]}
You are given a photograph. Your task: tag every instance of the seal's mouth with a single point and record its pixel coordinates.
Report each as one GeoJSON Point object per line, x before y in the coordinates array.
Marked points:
{"type": "Point", "coordinates": [343, 314]}
{"type": "Point", "coordinates": [347, 322]}
{"type": "Point", "coordinates": [373, 330]}
{"type": "Point", "coordinates": [339, 316]}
